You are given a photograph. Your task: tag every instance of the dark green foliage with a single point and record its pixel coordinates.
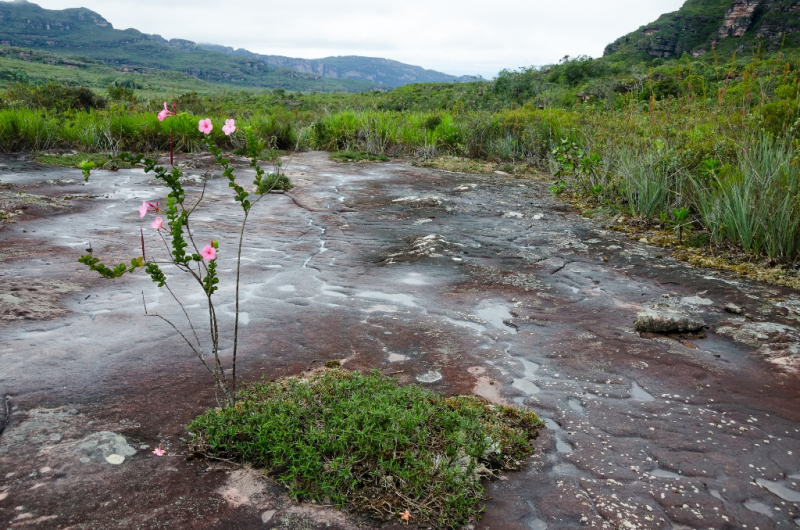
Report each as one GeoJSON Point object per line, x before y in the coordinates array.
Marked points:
{"type": "Point", "coordinates": [682, 223]}
{"type": "Point", "coordinates": [366, 443]}
{"type": "Point", "coordinates": [155, 274]}
{"type": "Point", "coordinates": [778, 116]}
{"type": "Point", "coordinates": [698, 240]}
{"type": "Point", "coordinates": [118, 92]}
{"type": "Point", "coordinates": [276, 182]}
{"type": "Point", "coordinates": [56, 97]}
{"type": "Point", "coordinates": [667, 87]}
{"type": "Point", "coordinates": [211, 280]}
{"type": "Point", "coordinates": [574, 71]}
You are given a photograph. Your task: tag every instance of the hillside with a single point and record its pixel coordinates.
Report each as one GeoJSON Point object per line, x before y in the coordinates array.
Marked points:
{"type": "Point", "coordinates": [725, 25]}
{"type": "Point", "coordinates": [21, 65]}
{"type": "Point", "coordinates": [83, 33]}
{"type": "Point", "coordinates": [371, 69]}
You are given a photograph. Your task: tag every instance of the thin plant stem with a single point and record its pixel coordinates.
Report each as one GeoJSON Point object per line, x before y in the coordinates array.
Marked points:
{"type": "Point", "coordinates": [236, 320]}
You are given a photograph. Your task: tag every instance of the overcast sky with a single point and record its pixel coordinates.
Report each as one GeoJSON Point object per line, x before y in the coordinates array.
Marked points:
{"type": "Point", "coordinates": [456, 37]}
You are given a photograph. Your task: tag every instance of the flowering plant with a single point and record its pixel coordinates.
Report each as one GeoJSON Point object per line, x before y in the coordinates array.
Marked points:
{"type": "Point", "coordinates": [185, 253]}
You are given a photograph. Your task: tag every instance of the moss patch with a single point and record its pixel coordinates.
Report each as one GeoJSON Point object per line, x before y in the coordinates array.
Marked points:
{"type": "Point", "coordinates": [458, 164]}
{"type": "Point", "coordinates": [100, 161]}
{"type": "Point", "coordinates": [368, 444]}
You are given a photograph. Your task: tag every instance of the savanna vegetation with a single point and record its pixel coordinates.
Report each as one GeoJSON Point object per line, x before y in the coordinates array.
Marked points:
{"type": "Point", "coordinates": [715, 139]}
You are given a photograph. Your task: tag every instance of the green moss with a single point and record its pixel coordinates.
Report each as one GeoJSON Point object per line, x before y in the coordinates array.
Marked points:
{"type": "Point", "coordinates": [100, 161]}
{"type": "Point", "coordinates": [366, 443]}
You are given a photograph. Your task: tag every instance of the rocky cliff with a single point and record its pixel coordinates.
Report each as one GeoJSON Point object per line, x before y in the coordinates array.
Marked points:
{"type": "Point", "coordinates": [727, 25]}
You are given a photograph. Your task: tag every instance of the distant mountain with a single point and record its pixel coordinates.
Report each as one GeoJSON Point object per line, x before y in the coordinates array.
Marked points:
{"type": "Point", "coordinates": [372, 69]}
{"type": "Point", "coordinates": [727, 25]}
{"type": "Point", "coordinates": [83, 33]}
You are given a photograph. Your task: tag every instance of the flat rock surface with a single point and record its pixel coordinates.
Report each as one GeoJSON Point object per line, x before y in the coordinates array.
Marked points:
{"type": "Point", "coordinates": [464, 283]}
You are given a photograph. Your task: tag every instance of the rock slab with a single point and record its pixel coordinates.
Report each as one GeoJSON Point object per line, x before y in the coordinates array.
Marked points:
{"type": "Point", "coordinates": [651, 321]}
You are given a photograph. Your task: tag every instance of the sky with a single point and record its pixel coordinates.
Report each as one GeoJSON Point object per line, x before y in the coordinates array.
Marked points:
{"type": "Point", "coordinates": [467, 37]}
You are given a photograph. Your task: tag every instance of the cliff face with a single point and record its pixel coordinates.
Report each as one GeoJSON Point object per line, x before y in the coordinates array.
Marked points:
{"type": "Point", "coordinates": [738, 18]}
{"type": "Point", "coordinates": [727, 25]}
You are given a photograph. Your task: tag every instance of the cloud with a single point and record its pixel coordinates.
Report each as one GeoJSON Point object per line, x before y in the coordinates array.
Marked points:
{"type": "Point", "coordinates": [465, 37]}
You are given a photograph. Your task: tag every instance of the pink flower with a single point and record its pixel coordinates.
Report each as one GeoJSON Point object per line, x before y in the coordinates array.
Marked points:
{"type": "Point", "coordinates": [164, 113]}
{"type": "Point", "coordinates": [209, 253]}
{"type": "Point", "coordinates": [229, 128]}
{"type": "Point", "coordinates": [158, 224]}
{"type": "Point", "coordinates": [205, 126]}
{"type": "Point", "coordinates": [158, 451]}
{"type": "Point", "coordinates": [148, 207]}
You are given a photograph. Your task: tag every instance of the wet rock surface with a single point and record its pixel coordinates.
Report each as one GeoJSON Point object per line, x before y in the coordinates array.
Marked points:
{"type": "Point", "coordinates": [415, 272]}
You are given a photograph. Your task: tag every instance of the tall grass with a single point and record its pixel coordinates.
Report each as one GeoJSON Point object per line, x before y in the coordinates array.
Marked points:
{"type": "Point", "coordinates": [524, 134]}
{"type": "Point", "coordinates": [24, 129]}
{"type": "Point", "coordinates": [649, 179]}
{"type": "Point", "coordinates": [756, 203]}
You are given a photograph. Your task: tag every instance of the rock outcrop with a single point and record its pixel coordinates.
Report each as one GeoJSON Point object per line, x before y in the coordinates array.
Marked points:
{"type": "Point", "coordinates": [652, 321]}
{"type": "Point", "coordinates": [738, 18]}
{"type": "Point", "coordinates": [727, 25]}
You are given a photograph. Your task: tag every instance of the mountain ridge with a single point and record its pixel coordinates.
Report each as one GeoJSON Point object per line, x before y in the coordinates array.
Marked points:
{"type": "Point", "coordinates": [361, 67]}
{"type": "Point", "coordinates": [83, 32]}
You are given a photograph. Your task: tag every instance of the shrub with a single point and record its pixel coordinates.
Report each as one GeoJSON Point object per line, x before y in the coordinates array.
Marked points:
{"type": "Point", "coordinates": [365, 442]}
{"type": "Point", "coordinates": [57, 97]}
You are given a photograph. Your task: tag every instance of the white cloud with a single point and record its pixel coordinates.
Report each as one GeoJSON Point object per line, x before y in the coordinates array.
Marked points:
{"type": "Point", "coordinates": [465, 37]}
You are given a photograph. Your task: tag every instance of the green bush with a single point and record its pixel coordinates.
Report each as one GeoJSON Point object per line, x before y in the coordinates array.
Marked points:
{"type": "Point", "coordinates": [367, 443]}
{"type": "Point", "coordinates": [57, 97]}
{"type": "Point", "coordinates": [777, 116]}
{"type": "Point", "coordinates": [120, 93]}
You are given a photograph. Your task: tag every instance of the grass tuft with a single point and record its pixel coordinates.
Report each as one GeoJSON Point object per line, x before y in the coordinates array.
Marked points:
{"type": "Point", "coordinates": [364, 442]}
